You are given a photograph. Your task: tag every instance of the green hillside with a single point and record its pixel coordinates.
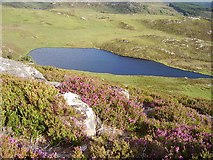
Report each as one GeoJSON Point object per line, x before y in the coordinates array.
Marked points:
{"type": "Point", "coordinates": [105, 7]}
{"type": "Point", "coordinates": [149, 33]}
{"type": "Point", "coordinates": [203, 9]}
{"type": "Point", "coordinates": [160, 118]}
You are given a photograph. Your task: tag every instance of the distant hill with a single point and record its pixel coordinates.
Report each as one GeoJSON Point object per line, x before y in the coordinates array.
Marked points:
{"type": "Point", "coordinates": [204, 4]}
{"type": "Point", "coordinates": [106, 7]}
{"type": "Point", "coordinates": [32, 5]}
{"type": "Point", "coordinates": [202, 9]}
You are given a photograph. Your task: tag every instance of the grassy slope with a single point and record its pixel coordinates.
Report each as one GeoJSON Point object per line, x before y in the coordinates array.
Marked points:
{"type": "Point", "coordinates": [169, 86]}
{"type": "Point", "coordinates": [193, 88]}
{"type": "Point", "coordinates": [27, 29]}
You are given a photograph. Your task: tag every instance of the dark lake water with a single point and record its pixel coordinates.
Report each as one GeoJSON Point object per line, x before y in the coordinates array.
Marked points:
{"type": "Point", "coordinates": [94, 60]}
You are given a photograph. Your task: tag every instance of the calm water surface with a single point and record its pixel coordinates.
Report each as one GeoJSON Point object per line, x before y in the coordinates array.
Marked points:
{"type": "Point", "coordinates": [94, 60]}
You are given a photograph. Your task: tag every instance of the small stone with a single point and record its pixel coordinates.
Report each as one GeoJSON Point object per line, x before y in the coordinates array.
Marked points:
{"type": "Point", "coordinates": [125, 41]}
{"type": "Point", "coordinates": [55, 84]}
{"type": "Point", "coordinates": [83, 148]}
{"type": "Point", "coordinates": [2, 68]}
{"type": "Point", "coordinates": [83, 18]}
{"type": "Point", "coordinates": [10, 50]}
{"type": "Point", "coordinates": [111, 132]}
{"type": "Point", "coordinates": [125, 93]}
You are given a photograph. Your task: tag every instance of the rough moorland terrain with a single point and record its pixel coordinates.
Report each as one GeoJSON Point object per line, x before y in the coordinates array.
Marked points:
{"type": "Point", "coordinates": [41, 121]}
{"type": "Point", "coordinates": [47, 112]}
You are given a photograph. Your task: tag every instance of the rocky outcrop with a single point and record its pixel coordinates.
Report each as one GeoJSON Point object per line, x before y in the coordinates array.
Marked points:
{"type": "Point", "coordinates": [22, 70]}
{"type": "Point", "coordinates": [92, 123]}
{"type": "Point", "coordinates": [19, 69]}
{"type": "Point", "coordinates": [89, 116]}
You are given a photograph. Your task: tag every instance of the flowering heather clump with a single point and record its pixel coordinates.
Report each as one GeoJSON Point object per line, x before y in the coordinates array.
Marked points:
{"type": "Point", "coordinates": [108, 102]}
{"type": "Point", "coordinates": [178, 114]}
{"type": "Point", "coordinates": [185, 142]}
{"type": "Point", "coordinates": [11, 147]}
{"type": "Point", "coordinates": [77, 153]}
{"type": "Point", "coordinates": [201, 105]}
{"type": "Point", "coordinates": [103, 148]}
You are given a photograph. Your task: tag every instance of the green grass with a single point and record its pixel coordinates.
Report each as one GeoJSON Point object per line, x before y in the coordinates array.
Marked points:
{"type": "Point", "coordinates": [25, 29]}
{"type": "Point", "coordinates": [168, 86]}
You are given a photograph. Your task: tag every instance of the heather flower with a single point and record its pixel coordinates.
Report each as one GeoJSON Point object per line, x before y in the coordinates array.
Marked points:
{"type": "Point", "coordinates": [12, 140]}
{"type": "Point", "coordinates": [191, 142]}
{"type": "Point", "coordinates": [177, 149]}
{"type": "Point", "coordinates": [19, 145]}
{"type": "Point", "coordinates": [132, 120]}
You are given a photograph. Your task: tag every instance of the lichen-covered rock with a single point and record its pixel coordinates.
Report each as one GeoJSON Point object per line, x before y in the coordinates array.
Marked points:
{"type": "Point", "coordinates": [89, 116]}
{"type": "Point", "coordinates": [19, 69]}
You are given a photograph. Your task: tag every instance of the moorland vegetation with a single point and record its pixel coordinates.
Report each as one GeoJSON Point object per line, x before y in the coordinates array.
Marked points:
{"type": "Point", "coordinates": [163, 118]}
